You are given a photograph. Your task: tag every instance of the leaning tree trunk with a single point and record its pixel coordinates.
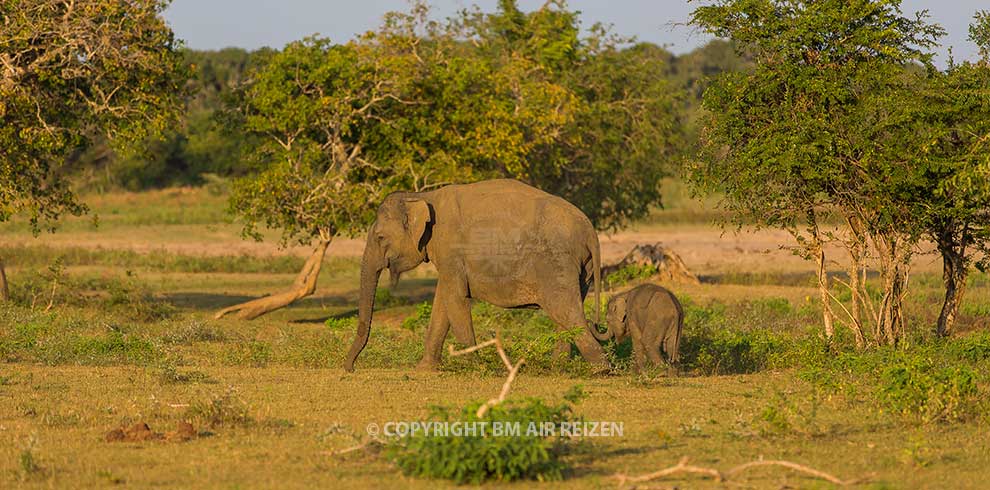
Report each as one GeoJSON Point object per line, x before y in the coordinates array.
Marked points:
{"type": "Point", "coordinates": [954, 274]}
{"type": "Point", "coordinates": [4, 289]}
{"type": "Point", "coordinates": [304, 285]}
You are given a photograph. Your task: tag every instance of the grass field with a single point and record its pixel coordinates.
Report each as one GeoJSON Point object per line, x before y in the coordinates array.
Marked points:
{"type": "Point", "coordinates": [129, 337]}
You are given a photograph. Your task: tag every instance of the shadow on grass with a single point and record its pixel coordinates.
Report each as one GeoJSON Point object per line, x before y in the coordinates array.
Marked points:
{"type": "Point", "coordinates": [323, 319]}
{"type": "Point", "coordinates": [775, 278]}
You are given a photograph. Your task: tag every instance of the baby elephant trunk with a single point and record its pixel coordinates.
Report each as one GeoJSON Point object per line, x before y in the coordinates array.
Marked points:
{"type": "Point", "coordinates": [601, 337]}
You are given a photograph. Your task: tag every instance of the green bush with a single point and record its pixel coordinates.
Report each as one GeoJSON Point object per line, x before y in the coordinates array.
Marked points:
{"type": "Point", "coordinates": [485, 457]}
{"type": "Point", "coordinates": [973, 348]}
{"type": "Point", "coordinates": [916, 386]}
{"type": "Point", "coordinates": [714, 351]}
{"type": "Point", "coordinates": [421, 319]}
{"type": "Point", "coordinates": [630, 273]}
{"type": "Point", "coordinates": [345, 323]}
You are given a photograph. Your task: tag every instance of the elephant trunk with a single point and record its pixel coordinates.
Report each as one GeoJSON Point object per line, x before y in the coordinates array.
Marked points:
{"type": "Point", "coordinates": [372, 264]}
{"type": "Point", "coordinates": [602, 337]}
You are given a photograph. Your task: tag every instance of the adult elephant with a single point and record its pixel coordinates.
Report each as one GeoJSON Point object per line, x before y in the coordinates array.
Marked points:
{"type": "Point", "coordinates": [500, 241]}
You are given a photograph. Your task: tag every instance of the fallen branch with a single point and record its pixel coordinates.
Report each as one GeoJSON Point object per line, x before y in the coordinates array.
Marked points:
{"type": "Point", "coordinates": [373, 442]}
{"type": "Point", "coordinates": [513, 370]}
{"type": "Point", "coordinates": [303, 286]}
{"type": "Point", "coordinates": [682, 466]}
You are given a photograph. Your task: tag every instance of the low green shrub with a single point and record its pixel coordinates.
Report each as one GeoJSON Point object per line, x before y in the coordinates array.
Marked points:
{"type": "Point", "coordinates": [419, 320]}
{"type": "Point", "coordinates": [916, 386]}
{"type": "Point", "coordinates": [630, 273]}
{"type": "Point", "coordinates": [484, 456]}
{"type": "Point", "coordinates": [714, 351]}
{"type": "Point", "coordinates": [974, 347]}
{"type": "Point", "coordinates": [341, 323]}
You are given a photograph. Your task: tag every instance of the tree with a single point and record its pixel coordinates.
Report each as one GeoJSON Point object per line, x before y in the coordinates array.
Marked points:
{"type": "Point", "coordinates": [421, 103]}
{"type": "Point", "coordinates": [591, 119]}
{"type": "Point", "coordinates": [810, 135]}
{"type": "Point", "coordinates": [952, 120]}
{"type": "Point", "coordinates": [341, 126]}
{"type": "Point", "coordinates": [72, 69]}
{"type": "Point", "coordinates": [194, 146]}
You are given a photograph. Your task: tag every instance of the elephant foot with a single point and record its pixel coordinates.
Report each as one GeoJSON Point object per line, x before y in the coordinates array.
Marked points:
{"type": "Point", "coordinates": [428, 365]}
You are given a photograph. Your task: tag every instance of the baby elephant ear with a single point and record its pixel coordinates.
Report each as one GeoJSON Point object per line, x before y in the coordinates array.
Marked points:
{"type": "Point", "coordinates": [620, 305]}
{"type": "Point", "coordinates": [417, 216]}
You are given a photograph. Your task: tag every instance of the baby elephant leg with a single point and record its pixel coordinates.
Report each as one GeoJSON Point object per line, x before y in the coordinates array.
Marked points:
{"type": "Point", "coordinates": [653, 352]}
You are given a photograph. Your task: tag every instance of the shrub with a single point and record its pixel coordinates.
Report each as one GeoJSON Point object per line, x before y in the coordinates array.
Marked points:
{"type": "Point", "coordinates": [724, 351]}
{"type": "Point", "coordinates": [483, 456]}
{"type": "Point", "coordinates": [973, 348]}
{"type": "Point", "coordinates": [630, 273]}
{"type": "Point", "coordinates": [420, 319]}
{"type": "Point", "coordinates": [345, 323]}
{"type": "Point", "coordinates": [916, 386]}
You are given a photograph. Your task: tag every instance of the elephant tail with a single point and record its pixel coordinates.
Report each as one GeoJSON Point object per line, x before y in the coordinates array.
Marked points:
{"type": "Point", "coordinates": [596, 264]}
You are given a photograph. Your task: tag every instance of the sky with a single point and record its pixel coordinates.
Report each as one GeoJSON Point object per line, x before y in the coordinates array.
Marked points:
{"type": "Point", "coordinates": [214, 24]}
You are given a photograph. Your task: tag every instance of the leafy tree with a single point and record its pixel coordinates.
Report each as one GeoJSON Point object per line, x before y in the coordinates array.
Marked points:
{"type": "Point", "coordinates": [70, 70]}
{"type": "Point", "coordinates": [196, 145]}
{"type": "Point", "coordinates": [952, 118]}
{"type": "Point", "coordinates": [340, 127]}
{"type": "Point", "coordinates": [813, 133]}
{"type": "Point", "coordinates": [421, 103]}
{"type": "Point", "coordinates": [591, 119]}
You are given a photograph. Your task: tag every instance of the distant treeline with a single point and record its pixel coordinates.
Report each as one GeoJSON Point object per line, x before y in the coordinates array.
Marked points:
{"type": "Point", "coordinates": [201, 146]}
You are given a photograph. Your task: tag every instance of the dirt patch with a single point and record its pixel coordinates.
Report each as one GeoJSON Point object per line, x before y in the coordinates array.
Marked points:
{"type": "Point", "coordinates": [141, 432]}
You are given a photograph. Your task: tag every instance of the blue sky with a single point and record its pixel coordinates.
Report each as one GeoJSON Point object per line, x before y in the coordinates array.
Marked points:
{"type": "Point", "coordinates": [213, 24]}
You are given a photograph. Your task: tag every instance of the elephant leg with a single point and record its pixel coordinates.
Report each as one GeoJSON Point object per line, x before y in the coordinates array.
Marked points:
{"type": "Point", "coordinates": [568, 313]}
{"type": "Point", "coordinates": [653, 353]}
{"type": "Point", "coordinates": [639, 353]}
{"type": "Point", "coordinates": [436, 333]}
{"type": "Point", "coordinates": [671, 344]}
{"type": "Point", "coordinates": [458, 308]}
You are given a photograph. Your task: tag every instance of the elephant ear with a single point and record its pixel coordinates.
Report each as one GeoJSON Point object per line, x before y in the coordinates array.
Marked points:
{"type": "Point", "coordinates": [620, 305]}
{"type": "Point", "coordinates": [417, 217]}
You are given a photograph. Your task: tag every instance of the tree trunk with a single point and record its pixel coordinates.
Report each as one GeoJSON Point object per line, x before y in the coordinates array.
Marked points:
{"type": "Point", "coordinates": [954, 274]}
{"type": "Point", "coordinates": [823, 291]}
{"type": "Point", "coordinates": [856, 288]}
{"type": "Point", "coordinates": [894, 274]}
{"type": "Point", "coordinates": [857, 285]}
{"type": "Point", "coordinates": [4, 289]}
{"type": "Point", "coordinates": [304, 285]}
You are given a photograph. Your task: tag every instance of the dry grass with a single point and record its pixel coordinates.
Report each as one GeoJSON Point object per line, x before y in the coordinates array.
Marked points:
{"type": "Point", "coordinates": [281, 373]}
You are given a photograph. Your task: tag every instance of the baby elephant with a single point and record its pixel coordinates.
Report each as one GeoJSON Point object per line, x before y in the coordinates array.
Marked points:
{"type": "Point", "coordinates": [653, 317]}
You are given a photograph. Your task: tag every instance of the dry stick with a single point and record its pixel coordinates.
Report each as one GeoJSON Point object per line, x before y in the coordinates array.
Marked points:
{"type": "Point", "coordinates": [51, 300]}
{"type": "Point", "coordinates": [371, 442]}
{"type": "Point", "coordinates": [683, 467]}
{"type": "Point", "coordinates": [796, 467]}
{"type": "Point", "coordinates": [513, 370]}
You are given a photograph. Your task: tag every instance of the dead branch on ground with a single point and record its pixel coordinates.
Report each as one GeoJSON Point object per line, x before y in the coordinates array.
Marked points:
{"type": "Point", "coordinates": [682, 466]}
